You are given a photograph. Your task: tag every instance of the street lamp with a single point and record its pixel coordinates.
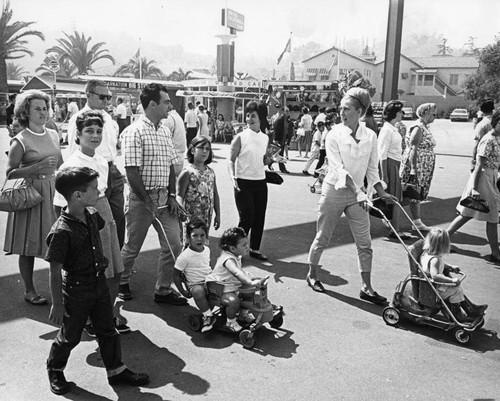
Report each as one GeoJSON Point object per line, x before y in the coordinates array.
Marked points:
{"type": "Point", "coordinates": [54, 67]}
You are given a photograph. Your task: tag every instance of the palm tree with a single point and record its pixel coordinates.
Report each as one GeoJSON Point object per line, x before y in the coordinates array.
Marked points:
{"type": "Point", "coordinates": [13, 42]}
{"type": "Point", "coordinates": [179, 75]}
{"type": "Point", "coordinates": [15, 71]}
{"type": "Point", "coordinates": [66, 67]}
{"type": "Point", "coordinates": [137, 63]}
{"type": "Point", "coordinates": [77, 50]}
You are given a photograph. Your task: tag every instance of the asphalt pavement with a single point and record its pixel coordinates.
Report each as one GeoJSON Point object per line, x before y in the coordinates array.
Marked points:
{"type": "Point", "coordinates": [332, 346]}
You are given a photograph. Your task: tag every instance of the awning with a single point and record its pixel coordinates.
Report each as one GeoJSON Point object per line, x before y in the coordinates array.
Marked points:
{"type": "Point", "coordinates": [218, 94]}
{"type": "Point", "coordinates": [323, 72]}
{"type": "Point", "coordinates": [311, 72]}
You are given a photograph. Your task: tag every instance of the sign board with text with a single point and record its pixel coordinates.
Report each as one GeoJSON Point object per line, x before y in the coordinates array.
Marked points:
{"type": "Point", "coordinates": [233, 20]}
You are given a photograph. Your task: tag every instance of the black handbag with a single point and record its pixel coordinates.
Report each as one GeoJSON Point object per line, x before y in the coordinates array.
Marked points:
{"type": "Point", "coordinates": [272, 177]}
{"type": "Point", "coordinates": [385, 208]}
{"type": "Point", "coordinates": [479, 205]}
{"type": "Point", "coordinates": [20, 195]}
{"type": "Point", "coordinates": [412, 190]}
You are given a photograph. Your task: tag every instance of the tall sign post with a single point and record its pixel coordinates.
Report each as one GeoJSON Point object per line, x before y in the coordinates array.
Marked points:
{"type": "Point", "coordinates": [225, 59]}
{"type": "Point", "coordinates": [393, 50]}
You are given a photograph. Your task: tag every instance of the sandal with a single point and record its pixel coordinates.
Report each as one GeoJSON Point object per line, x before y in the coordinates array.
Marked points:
{"type": "Point", "coordinates": [35, 300]}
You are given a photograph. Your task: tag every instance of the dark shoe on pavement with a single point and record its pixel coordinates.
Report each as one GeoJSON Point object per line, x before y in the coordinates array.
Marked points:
{"type": "Point", "coordinates": [375, 298]}
{"type": "Point", "coordinates": [285, 171]}
{"type": "Point", "coordinates": [124, 292]}
{"type": "Point", "coordinates": [89, 329]}
{"type": "Point", "coordinates": [58, 383]}
{"type": "Point", "coordinates": [129, 377]}
{"type": "Point", "coordinates": [258, 255]}
{"type": "Point", "coordinates": [494, 259]}
{"type": "Point", "coordinates": [172, 299]}
{"type": "Point", "coordinates": [120, 326]}
{"type": "Point", "coordinates": [305, 172]}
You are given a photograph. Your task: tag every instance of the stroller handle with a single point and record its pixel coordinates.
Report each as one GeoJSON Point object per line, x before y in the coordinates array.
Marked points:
{"type": "Point", "coordinates": [460, 279]}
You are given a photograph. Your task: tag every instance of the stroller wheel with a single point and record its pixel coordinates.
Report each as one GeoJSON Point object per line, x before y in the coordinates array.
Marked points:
{"type": "Point", "coordinates": [312, 189]}
{"type": "Point", "coordinates": [195, 322]}
{"type": "Point", "coordinates": [247, 339]}
{"type": "Point", "coordinates": [390, 316]}
{"type": "Point", "coordinates": [462, 336]}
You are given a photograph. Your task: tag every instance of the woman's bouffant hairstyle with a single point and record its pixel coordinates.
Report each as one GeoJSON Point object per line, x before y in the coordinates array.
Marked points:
{"type": "Point", "coordinates": [231, 237]}
{"type": "Point", "coordinates": [23, 101]}
{"type": "Point", "coordinates": [424, 108]}
{"type": "Point", "coordinates": [360, 97]}
{"type": "Point", "coordinates": [197, 141]}
{"type": "Point", "coordinates": [87, 120]}
{"type": "Point", "coordinates": [305, 110]}
{"type": "Point", "coordinates": [437, 242]}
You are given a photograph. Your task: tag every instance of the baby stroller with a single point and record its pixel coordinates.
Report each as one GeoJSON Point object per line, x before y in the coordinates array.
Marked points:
{"type": "Point", "coordinates": [322, 171]}
{"type": "Point", "coordinates": [416, 297]}
{"type": "Point", "coordinates": [255, 310]}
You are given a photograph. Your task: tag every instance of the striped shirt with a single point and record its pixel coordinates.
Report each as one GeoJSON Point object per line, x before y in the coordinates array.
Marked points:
{"type": "Point", "coordinates": [151, 150]}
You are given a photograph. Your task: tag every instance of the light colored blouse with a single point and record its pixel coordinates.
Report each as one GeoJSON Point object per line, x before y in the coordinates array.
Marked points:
{"type": "Point", "coordinates": [348, 157]}
{"type": "Point", "coordinates": [250, 160]}
{"type": "Point", "coordinates": [389, 143]}
{"type": "Point", "coordinates": [97, 163]}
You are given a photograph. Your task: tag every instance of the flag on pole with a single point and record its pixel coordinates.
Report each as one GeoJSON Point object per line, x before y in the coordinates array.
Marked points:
{"type": "Point", "coordinates": [138, 53]}
{"type": "Point", "coordinates": [288, 49]}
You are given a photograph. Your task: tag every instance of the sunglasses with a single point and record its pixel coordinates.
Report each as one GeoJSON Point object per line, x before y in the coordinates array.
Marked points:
{"type": "Point", "coordinates": [102, 97]}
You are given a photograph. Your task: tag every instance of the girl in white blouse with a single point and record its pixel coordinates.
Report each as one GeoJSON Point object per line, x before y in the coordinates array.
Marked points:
{"type": "Point", "coordinates": [351, 149]}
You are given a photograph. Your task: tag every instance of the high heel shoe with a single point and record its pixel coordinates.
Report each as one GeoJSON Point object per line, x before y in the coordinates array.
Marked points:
{"type": "Point", "coordinates": [316, 285]}
{"type": "Point", "coordinates": [494, 259]}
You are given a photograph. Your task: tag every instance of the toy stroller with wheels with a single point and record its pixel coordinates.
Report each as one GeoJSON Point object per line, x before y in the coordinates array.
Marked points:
{"type": "Point", "coordinates": [416, 297]}
{"type": "Point", "coordinates": [255, 310]}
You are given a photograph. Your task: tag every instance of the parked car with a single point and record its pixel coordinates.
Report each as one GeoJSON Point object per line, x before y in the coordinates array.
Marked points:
{"type": "Point", "coordinates": [409, 113]}
{"type": "Point", "coordinates": [459, 115]}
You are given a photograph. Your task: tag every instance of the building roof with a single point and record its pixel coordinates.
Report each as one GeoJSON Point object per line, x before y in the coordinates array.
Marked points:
{"type": "Point", "coordinates": [447, 62]}
{"type": "Point", "coordinates": [333, 48]}
{"type": "Point", "coordinates": [406, 57]}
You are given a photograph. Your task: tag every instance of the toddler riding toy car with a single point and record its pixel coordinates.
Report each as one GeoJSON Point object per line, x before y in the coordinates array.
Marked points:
{"type": "Point", "coordinates": [255, 310]}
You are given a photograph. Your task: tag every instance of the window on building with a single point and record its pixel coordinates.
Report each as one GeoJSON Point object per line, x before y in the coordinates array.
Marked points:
{"type": "Point", "coordinates": [453, 79]}
{"type": "Point", "coordinates": [404, 75]}
{"type": "Point", "coordinates": [428, 80]}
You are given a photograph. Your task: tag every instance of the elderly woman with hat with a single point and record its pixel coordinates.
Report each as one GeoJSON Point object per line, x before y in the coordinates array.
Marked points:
{"type": "Point", "coordinates": [351, 149]}
{"type": "Point", "coordinates": [482, 185]}
{"type": "Point", "coordinates": [389, 152]}
{"type": "Point", "coordinates": [419, 159]}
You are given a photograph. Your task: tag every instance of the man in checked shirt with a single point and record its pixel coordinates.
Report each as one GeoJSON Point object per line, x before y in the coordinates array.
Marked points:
{"type": "Point", "coordinates": [150, 157]}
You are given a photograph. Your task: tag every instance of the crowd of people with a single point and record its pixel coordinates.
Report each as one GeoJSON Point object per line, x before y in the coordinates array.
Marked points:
{"type": "Point", "coordinates": [92, 237]}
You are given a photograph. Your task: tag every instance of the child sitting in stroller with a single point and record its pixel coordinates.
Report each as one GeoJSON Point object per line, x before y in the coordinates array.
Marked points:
{"type": "Point", "coordinates": [436, 245]}
{"type": "Point", "coordinates": [194, 264]}
{"type": "Point", "coordinates": [228, 271]}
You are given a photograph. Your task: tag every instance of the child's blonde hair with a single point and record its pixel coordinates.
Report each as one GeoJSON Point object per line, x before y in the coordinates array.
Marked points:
{"type": "Point", "coordinates": [437, 242]}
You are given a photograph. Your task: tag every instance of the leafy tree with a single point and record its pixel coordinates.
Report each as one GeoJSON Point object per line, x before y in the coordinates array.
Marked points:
{"type": "Point", "coordinates": [486, 82]}
{"type": "Point", "coordinates": [77, 50]}
{"type": "Point", "coordinates": [66, 67]}
{"type": "Point", "coordinates": [355, 79]}
{"type": "Point", "coordinates": [137, 64]}
{"type": "Point", "coordinates": [443, 48]}
{"type": "Point", "coordinates": [15, 71]}
{"type": "Point", "coordinates": [13, 42]}
{"type": "Point", "coordinates": [178, 75]}
{"type": "Point", "coordinates": [470, 47]}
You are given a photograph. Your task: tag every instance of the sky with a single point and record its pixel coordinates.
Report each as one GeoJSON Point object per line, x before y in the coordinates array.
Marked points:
{"type": "Point", "coordinates": [268, 23]}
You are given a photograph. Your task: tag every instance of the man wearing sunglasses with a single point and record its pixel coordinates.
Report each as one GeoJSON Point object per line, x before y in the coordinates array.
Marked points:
{"type": "Point", "coordinates": [98, 99]}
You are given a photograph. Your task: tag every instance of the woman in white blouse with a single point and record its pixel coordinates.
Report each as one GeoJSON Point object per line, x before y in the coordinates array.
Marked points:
{"type": "Point", "coordinates": [390, 151]}
{"type": "Point", "coordinates": [351, 149]}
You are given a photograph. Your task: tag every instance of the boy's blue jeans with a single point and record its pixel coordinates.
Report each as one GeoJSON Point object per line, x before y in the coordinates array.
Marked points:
{"type": "Point", "coordinates": [80, 301]}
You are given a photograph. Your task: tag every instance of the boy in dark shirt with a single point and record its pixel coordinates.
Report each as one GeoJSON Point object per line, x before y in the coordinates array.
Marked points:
{"type": "Point", "coordinates": [78, 284]}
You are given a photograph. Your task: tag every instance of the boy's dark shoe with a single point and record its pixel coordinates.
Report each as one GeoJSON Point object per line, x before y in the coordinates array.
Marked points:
{"type": "Point", "coordinates": [120, 326]}
{"type": "Point", "coordinates": [130, 378]}
{"type": "Point", "coordinates": [58, 383]}
{"type": "Point", "coordinates": [124, 292]}
{"type": "Point", "coordinates": [89, 329]}
{"type": "Point", "coordinates": [172, 299]}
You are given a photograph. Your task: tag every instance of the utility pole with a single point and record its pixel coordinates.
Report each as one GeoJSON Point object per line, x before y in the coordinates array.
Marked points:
{"type": "Point", "coordinates": [393, 50]}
